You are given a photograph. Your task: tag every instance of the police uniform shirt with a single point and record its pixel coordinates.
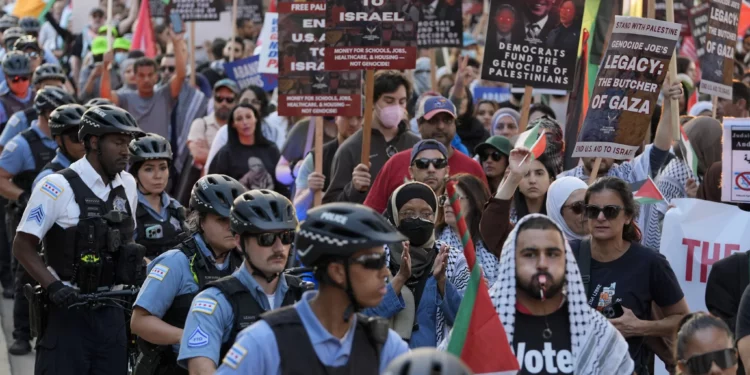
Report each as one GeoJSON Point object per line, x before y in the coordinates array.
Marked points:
{"type": "Point", "coordinates": [4, 115]}
{"type": "Point", "coordinates": [256, 350]}
{"type": "Point", "coordinates": [17, 156]}
{"type": "Point", "coordinates": [169, 276]}
{"type": "Point", "coordinates": [16, 124]}
{"type": "Point", "coordinates": [59, 158]}
{"type": "Point", "coordinates": [162, 215]}
{"type": "Point", "coordinates": [211, 319]}
{"type": "Point", "coordinates": [53, 202]}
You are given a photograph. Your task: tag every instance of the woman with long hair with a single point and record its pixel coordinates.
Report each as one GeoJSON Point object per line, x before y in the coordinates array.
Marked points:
{"type": "Point", "coordinates": [531, 196]}
{"type": "Point", "coordinates": [468, 127]}
{"type": "Point", "coordinates": [484, 111]}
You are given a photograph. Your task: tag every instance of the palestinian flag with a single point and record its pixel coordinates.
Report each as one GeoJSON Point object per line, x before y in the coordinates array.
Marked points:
{"type": "Point", "coordinates": [646, 192]}
{"type": "Point", "coordinates": [478, 336]}
{"type": "Point", "coordinates": [534, 139]}
{"type": "Point", "coordinates": [690, 157]}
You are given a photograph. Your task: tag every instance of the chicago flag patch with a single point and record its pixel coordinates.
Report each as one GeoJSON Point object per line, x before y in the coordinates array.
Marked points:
{"type": "Point", "coordinates": [158, 272]}
{"type": "Point", "coordinates": [234, 356]}
{"type": "Point", "coordinates": [204, 305]}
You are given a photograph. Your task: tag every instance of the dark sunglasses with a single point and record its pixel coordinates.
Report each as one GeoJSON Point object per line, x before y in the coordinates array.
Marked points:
{"type": "Point", "coordinates": [223, 99]}
{"type": "Point", "coordinates": [701, 364]}
{"type": "Point", "coordinates": [17, 79]}
{"type": "Point", "coordinates": [32, 55]}
{"type": "Point", "coordinates": [168, 69]}
{"type": "Point", "coordinates": [370, 261]}
{"type": "Point", "coordinates": [576, 207]}
{"type": "Point", "coordinates": [424, 163]}
{"type": "Point", "coordinates": [73, 136]}
{"type": "Point", "coordinates": [494, 155]}
{"type": "Point", "coordinates": [610, 212]}
{"type": "Point", "coordinates": [267, 239]}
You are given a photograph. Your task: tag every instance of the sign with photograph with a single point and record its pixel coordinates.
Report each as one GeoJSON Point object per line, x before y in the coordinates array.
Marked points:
{"type": "Point", "coordinates": [440, 22]}
{"type": "Point", "coordinates": [250, 10]}
{"type": "Point", "coordinates": [699, 26]}
{"type": "Point", "coordinates": [717, 63]}
{"type": "Point", "coordinates": [736, 161]}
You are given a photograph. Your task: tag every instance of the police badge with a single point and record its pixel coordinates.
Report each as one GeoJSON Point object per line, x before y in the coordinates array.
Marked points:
{"type": "Point", "coordinates": [120, 204]}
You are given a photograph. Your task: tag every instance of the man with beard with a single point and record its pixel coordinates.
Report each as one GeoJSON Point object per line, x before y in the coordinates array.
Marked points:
{"type": "Point", "coordinates": [552, 332]}
{"type": "Point", "coordinates": [203, 130]}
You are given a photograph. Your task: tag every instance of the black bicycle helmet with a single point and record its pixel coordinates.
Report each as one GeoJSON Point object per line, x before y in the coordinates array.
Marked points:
{"type": "Point", "coordinates": [262, 211]}
{"type": "Point", "coordinates": [65, 117]}
{"type": "Point", "coordinates": [150, 147]}
{"type": "Point", "coordinates": [97, 102]}
{"type": "Point", "coordinates": [25, 42]}
{"type": "Point", "coordinates": [7, 22]}
{"type": "Point", "coordinates": [16, 63]}
{"type": "Point", "coordinates": [214, 194]}
{"type": "Point", "coordinates": [30, 25]}
{"type": "Point", "coordinates": [11, 35]}
{"type": "Point", "coordinates": [427, 361]}
{"type": "Point", "coordinates": [108, 119]}
{"type": "Point", "coordinates": [50, 97]}
{"type": "Point", "coordinates": [48, 71]}
{"type": "Point", "coordinates": [342, 229]}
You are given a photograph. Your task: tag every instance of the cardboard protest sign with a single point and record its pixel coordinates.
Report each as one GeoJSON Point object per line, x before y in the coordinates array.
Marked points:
{"type": "Point", "coordinates": [268, 40]}
{"type": "Point", "coordinates": [193, 10]}
{"type": "Point", "coordinates": [306, 87]}
{"type": "Point", "coordinates": [246, 72]}
{"type": "Point", "coordinates": [627, 87]}
{"type": "Point", "coordinates": [495, 94]}
{"type": "Point", "coordinates": [370, 34]}
{"type": "Point", "coordinates": [250, 10]}
{"type": "Point", "coordinates": [717, 63]}
{"type": "Point", "coordinates": [533, 43]}
{"type": "Point", "coordinates": [681, 13]}
{"type": "Point", "coordinates": [699, 26]}
{"type": "Point", "coordinates": [736, 161]}
{"type": "Point", "coordinates": [440, 22]}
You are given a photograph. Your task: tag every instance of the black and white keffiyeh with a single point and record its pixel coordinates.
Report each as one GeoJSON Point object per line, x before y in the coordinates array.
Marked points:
{"type": "Point", "coordinates": [597, 346]}
{"type": "Point", "coordinates": [488, 261]}
{"type": "Point", "coordinates": [671, 183]}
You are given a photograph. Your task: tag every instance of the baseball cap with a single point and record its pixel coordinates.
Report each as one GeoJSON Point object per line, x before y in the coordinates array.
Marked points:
{"type": "Point", "coordinates": [97, 12]}
{"type": "Point", "coordinates": [121, 43]}
{"type": "Point", "coordinates": [228, 83]}
{"type": "Point", "coordinates": [434, 105]}
{"type": "Point", "coordinates": [497, 142]}
{"type": "Point", "coordinates": [427, 144]}
{"type": "Point", "coordinates": [99, 45]}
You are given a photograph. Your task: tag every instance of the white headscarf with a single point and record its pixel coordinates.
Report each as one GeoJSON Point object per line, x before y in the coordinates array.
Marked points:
{"type": "Point", "coordinates": [700, 107]}
{"type": "Point", "coordinates": [557, 194]}
{"type": "Point", "coordinates": [597, 346]}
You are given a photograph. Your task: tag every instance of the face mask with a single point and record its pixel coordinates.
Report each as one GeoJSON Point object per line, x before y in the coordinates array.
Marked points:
{"type": "Point", "coordinates": [417, 230]}
{"type": "Point", "coordinates": [390, 116]}
{"type": "Point", "coordinates": [471, 53]}
{"type": "Point", "coordinates": [120, 57]}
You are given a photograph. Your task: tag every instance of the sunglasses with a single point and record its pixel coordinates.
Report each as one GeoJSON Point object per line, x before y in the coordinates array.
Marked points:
{"type": "Point", "coordinates": [168, 69]}
{"type": "Point", "coordinates": [370, 261]}
{"type": "Point", "coordinates": [32, 55]}
{"type": "Point", "coordinates": [494, 155]}
{"type": "Point", "coordinates": [223, 99]}
{"type": "Point", "coordinates": [424, 163]}
{"type": "Point", "coordinates": [73, 136]}
{"type": "Point", "coordinates": [268, 239]}
{"type": "Point", "coordinates": [17, 79]}
{"type": "Point", "coordinates": [610, 212]}
{"type": "Point", "coordinates": [701, 364]}
{"type": "Point", "coordinates": [577, 207]}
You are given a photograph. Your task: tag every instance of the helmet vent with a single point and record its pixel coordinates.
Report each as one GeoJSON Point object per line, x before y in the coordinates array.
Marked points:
{"type": "Point", "coordinates": [342, 232]}
{"type": "Point", "coordinates": [261, 213]}
{"type": "Point", "coordinates": [275, 209]}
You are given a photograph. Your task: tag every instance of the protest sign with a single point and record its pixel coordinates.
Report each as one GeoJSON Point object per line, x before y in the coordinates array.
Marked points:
{"type": "Point", "coordinates": [627, 87]}
{"type": "Point", "coordinates": [495, 94]}
{"type": "Point", "coordinates": [158, 8]}
{"type": "Point", "coordinates": [533, 44]}
{"type": "Point", "coordinates": [189, 10]}
{"type": "Point", "coordinates": [440, 22]}
{"type": "Point", "coordinates": [268, 40]}
{"type": "Point", "coordinates": [736, 161]}
{"type": "Point", "coordinates": [370, 34]}
{"type": "Point", "coordinates": [681, 13]}
{"type": "Point", "coordinates": [717, 63]}
{"type": "Point", "coordinates": [246, 72]}
{"type": "Point", "coordinates": [250, 10]}
{"type": "Point", "coordinates": [699, 26]}
{"type": "Point", "coordinates": [306, 87]}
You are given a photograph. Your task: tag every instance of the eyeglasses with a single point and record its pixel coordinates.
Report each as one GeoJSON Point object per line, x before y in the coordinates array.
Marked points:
{"type": "Point", "coordinates": [610, 212]}
{"type": "Point", "coordinates": [168, 69]}
{"type": "Point", "coordinates": [223, 99]}
{"type": "Point", "coordinates": [33, 55]}
{"type": "Point", "coordinates": [424, 163]}
{"type": "Point", "coordinates": [578, 207]}
{"type": "Point", "coordinates": [370, 261]}
{"type": "Point", "coordinates": [701, 364]}
{"type": "Point", "coordinates": [267, 239]}
{"type": "Point", "coordinates": [494, 155]}
{"type": "Point", "coordinates": [17, 79]}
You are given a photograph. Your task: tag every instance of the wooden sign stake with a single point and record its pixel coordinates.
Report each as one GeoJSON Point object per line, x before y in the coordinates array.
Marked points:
{"type": "Point", "coordinates": [318, 198]}
{"type": "Point", "coordinates": [525, 108]}
{"type": "Point", "coordinates": [367, 127]}
{"type": "Point", "coordinates": [595, 171]}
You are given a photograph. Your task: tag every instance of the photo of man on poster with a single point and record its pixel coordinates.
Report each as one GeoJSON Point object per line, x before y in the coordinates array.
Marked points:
{"type": "Point", "coordinates": [504, 22]}
{"type": "Point", "coordinates": [565, 35]}
{"type": "Point", "coordinates": [436, 9]}
{"type": "Point", "coordinates": [538, 20]}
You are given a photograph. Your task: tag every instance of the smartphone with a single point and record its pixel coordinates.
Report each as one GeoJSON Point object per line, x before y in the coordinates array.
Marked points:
{"type": "Point", "coordinates": [176, 21]}
{"type": "Point", "coordinates": [613, 311]}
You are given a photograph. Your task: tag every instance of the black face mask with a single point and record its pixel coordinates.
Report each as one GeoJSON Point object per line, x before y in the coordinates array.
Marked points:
{"type": "Point", "coordinates": [419, 231]}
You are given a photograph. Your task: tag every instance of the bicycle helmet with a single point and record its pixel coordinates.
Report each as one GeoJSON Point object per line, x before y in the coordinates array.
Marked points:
{"type": "Point", "coordinates": [150, 147]}
{"type": "Point", "coordinates": [16, 63]}
{"type": "Point", "coordinates": [11, 35]}
{"type": "Point", "coordinates": [108, 119]}
{"type": "Point", "coordinates": [48, 71]}
{"type": "Point", "coordinates": [65, 117]}
{"type": "Point", "coordinates": [30, 25]}
{"type": "Point", "coordinates": [214, 194]}
{"type": "Point", "coordinates": [262, 211]}
{"type": "Point", "coordinates": [427, 361]}
{"type": "Point", "coordinates": [342, 229]}
{"type": "Point", "coordinates": [50, 97]}
{"type": "Point", "coordinates": [7, 22]}
{"type": "Point", "coordinates": [97, 102]}
{"type": "Point", "coordinates": [26, 42]}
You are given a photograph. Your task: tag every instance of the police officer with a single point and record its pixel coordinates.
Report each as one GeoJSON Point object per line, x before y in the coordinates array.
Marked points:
{"type": "Point", "coordinates": [44, 76]}
{"type": "Point", "coordinates": [265, 222]}
{"type": "Point", "coordinates": [344, 243]}
{"type": "Point", "coordinates": [84, 217]}
{"type": "Point", "coordinates": [176, 276]}
{"type": "Point", "coordinates": [427, 361]}
{"type": "Point", "coordinates": [161, 219]}
{"type": "Point", "coordinates": [17, 71]}
{"type": "Point", "coordinates": [64, 123]}
{"type": "Point", "coordinates": [9, 38]}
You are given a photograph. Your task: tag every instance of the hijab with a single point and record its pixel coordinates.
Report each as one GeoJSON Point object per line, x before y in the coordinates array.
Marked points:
{"type": "Point", "coordinates": [558, 193]}
{"type": "Point", "coordinates": [705, 134]}
{"type": "Point", "coordinates": [504, 112]}
{"type": "Point", "coordinates": [700, 107]}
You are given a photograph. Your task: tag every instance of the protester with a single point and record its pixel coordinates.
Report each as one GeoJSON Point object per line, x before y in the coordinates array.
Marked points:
{"type": "Point", "coordinates": [703, 108]}
{"type": "Point", "coordinates": [204, 130]}
{"type": "Point", "coordinates": [298, 142]}
{"type": "Point", "coordinates": [505, 123]}
{"type": "Point", "coordinates": [471, 130]}
{"type": "Point", "coordinates": [539, 110]}
{"type": "Point", "coordinates": [90, 78]}
{"type": "Point", "coordinates": [739, 106]}
{"type": "Point", "coordinates": [687, 66]}
{"type": "Point", "coordinates": [484, 111]}
{"type": "Point", "coordinates": [566, 207]}
{"type": "Point", "coordinates": [493, 154]}
{"type": "Point", "coordinates": [531, 196]}
{"type": "Point", "coordinates": [705, 345]}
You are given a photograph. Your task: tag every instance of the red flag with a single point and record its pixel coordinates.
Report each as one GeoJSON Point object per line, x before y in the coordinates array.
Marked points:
{"type": "Point", "coordinates": [143, 36]}
{"type": "Point", "coordinates": [540, 145]}
{"type": "Point", "coordinates": [272, 6]}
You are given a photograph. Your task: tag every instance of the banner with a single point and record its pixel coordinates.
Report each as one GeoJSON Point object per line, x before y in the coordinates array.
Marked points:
{"type": "Point", "coordinates": [699, 26]}
{"type": "Point", "coordinates": [681, 13]}
{"type": "Point", "coordinates": [440, 22]}
{"type": "Point", "coordinates": [246, 72]}
{"type": "Point", "coordinates": [189, 10]}
{"type": "Point", "coordinates": [306, 87]}
{"type": "Point", "coordinates": [717, 63]}
{"type": "Point", "coordinates": [269, 42]}
{"type": "Point", "coordinates": [533, 43]}
{"type": "Point", "coordinates": [370, 34]}
{"type": "Point", "coordinates": [735, 171]}
{"type": "Point", "coordinates": [627, 87]}
{"type": "Point", "coordinates": [250, 10]}
{"type": "Point", "coordinates": [495, 94]}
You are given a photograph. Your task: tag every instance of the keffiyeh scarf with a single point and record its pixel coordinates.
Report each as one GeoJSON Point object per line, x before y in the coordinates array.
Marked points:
{"type": "Point", "coordinates": [488, 261]}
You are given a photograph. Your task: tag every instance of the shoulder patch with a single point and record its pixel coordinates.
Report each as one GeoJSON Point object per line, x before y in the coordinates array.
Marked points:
{"type": "Point", "coordinates": [158, 272]}
{"type": "Point", "coordinates": [36, 215]}
{"type": "Point", "coordinates": [204, 305]}
{"type": "Point", "coordinates": [11, 146]}
{"type": "Point", "coordinates": [197, 339]}
{"type": "Point", "coordinates": [234, 356]}
{"type": "Point", "coordinates": [14, 121]}
{"type": "Point", "coordinates": [52, 190]}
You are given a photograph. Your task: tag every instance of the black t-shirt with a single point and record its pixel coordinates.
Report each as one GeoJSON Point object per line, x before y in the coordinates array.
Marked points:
{"type": "Point", "coordinates": [743, 316]}
{"type": "Point", "coordinates": [637, 278]}
{"type": "Point", "coordinates": [253, 166]}
{"type": "Point", "coordinates": [537, 355]}
{"type": "Point", "coordinates": [294, 147]}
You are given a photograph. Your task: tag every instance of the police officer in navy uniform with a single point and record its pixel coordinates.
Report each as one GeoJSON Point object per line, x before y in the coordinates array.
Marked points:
{"type": "Point", "coordinates": [84, 217]}
{"type": "Point", "coordinates": [64, 123]}
{"type": "Point", "coordinates": [265, 222]}
{"type": "Point", "coordinates": [176, 276]}
{"type": "Point", "coordinates": [322, 334]}
{"type": "Point", "coordinates": [161, 219]}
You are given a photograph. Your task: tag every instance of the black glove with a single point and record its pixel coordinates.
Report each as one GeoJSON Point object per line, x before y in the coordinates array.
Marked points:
{"type": "Point", "coordinates": [23, 198]}
{"type": "Point", "coordinates": [61, 295]}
